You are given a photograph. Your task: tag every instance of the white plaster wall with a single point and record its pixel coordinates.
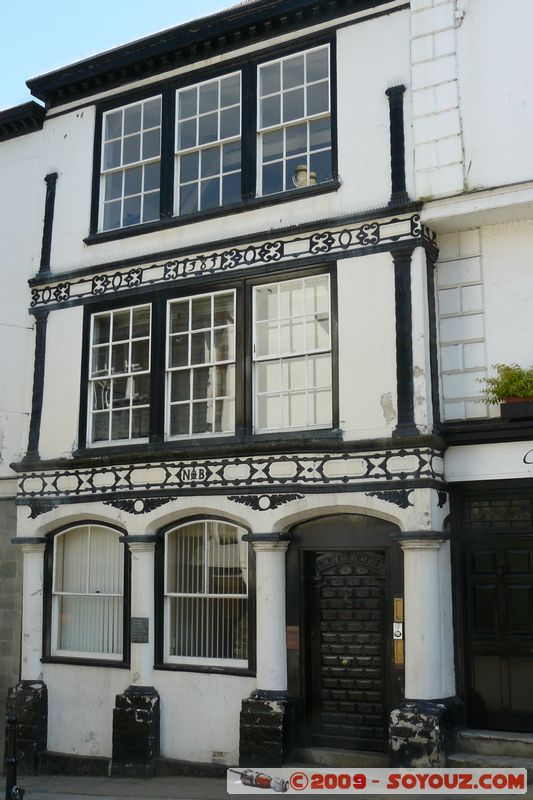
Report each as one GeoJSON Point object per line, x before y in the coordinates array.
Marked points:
{"type": "Point", "coordinates": [61, 399]}
{"type": "Point", "coordinates": [80, 707]}
{"type": "Point", "coordinates": [364, 156]}
{"type": "Point", "coordinates": [21, 211]}
{"type": "Point", "coordinates": [200, 715]}
{"type": "Point", "coordinates": [507, 252]}
{"type": "Point", "coordinates": [495, 79]}
{"type": "Point", "coordinates": [367, 346]}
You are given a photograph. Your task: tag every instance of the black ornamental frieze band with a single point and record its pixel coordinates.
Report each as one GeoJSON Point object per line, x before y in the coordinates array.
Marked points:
{"type": "Point", "coordinates": [346, 239]}
{"type": "Point", "coordinates": [254, 472]}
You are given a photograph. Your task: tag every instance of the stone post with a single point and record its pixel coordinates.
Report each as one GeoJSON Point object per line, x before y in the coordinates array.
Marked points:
{"type": "Point", "coordinates": [137, 710]}
{"type": "Point", "coordinates": [28, 700]}
{"type": "Point", "coordinates": [266, 716]}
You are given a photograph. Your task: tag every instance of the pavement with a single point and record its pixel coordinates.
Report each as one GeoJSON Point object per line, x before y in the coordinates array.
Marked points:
{"type": "Point", "coordinates": [49, 787]}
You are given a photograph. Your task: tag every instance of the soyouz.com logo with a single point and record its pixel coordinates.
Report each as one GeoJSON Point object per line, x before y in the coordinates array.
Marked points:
{"type": "Point", "coordinates": [480, 782]}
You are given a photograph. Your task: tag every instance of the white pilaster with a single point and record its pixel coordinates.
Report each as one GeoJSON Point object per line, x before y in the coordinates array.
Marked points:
{"type": "Point", "coordinates": [429, 669]}
{"type": "Point", "coordinates": [32, 610]}
{"type": "Point", "coordinates": [142, 605]}
{"type": "Point", "coordinates": [271, 621]}
{"type": "Point", "coordinates": [423, 410]}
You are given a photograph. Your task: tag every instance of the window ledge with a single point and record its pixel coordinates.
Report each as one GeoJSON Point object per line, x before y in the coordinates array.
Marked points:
{"type": "Point", "coordinates": [247, 204]}
{"type": "Point", "coordinates": [239, 444]}
{"type": "Point", "coordinates": [486, 431]}
{"type": "Point", "coordinates": [86, 662]}
{"type": "Point", "coordinates": [211, 670]}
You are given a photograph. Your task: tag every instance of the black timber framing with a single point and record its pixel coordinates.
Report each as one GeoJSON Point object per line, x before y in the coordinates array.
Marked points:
{"type": "Point", "coordinates": [404, 344]}
{"type": "Point", "coordinates": [399, 196]}
{"type": "Point", "coordinates": [49, 205]}
{"type": "Point", "coordinates": [41, 322]}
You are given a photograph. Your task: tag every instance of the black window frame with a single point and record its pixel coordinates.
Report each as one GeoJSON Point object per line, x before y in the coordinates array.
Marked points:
{"type": "Point", "coordinates": [49, 553]}
{"type": "Point", "coordinates": [248, 67]}
{"type": "Point", "coordinates": [159, 604]}
{"type": "Point", "coordinates": [244, 364]}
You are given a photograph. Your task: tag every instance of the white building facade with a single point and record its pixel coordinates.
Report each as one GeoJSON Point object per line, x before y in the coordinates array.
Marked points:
{"type": "Point", "coordinates": [261, 506]}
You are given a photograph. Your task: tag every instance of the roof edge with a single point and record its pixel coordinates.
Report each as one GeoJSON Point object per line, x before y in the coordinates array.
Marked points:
{"type": "Point", "coordinates": [20, 120]}
{"type": "Point", "coordinates": [186, 43]}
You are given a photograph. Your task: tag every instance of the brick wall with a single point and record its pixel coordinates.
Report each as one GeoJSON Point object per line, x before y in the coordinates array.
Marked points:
{"type": "Point", "coordinates": [10, 606]}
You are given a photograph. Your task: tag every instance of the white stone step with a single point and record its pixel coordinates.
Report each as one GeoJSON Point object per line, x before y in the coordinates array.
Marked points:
{"type": "Point", "coordinates": [496, 743]}
{"type": "Point", "coordinates": [468, 760]}
{"type": "Point", "coordinates": [331, 757]}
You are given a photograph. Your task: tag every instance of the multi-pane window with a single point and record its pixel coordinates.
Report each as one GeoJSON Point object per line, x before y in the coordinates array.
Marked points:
{"type": "Point", "coordinates": [294, 122]}
{"type": "Point", "coordinates": [201, 365]}
{"type": "Point", "coordinates": [292, 354]}
{"type": "Point", "coordinates": [87, 593]}
{"type": "Point", "coordinates": [119, 375]}
{"type": "Point", "coordinates": [208, 144]}
{"type": "Point", "coordinates": [206, 594]}
{"type": "Point", "coordinates": [130, 167]}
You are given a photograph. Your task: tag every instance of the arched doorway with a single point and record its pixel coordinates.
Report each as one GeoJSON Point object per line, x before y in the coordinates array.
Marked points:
{"type": "Point", "coordinates": [344, 577]}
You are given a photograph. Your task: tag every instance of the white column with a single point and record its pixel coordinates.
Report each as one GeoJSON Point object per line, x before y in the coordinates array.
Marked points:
{"type": "Point", "coordinates": [32, 610]}
{"type": "Point", "coordinates": [271, 621]}
{"type": "Point", "coordinates": [428, 620]}
{"type": "Point", "coordinates": [142, 551]}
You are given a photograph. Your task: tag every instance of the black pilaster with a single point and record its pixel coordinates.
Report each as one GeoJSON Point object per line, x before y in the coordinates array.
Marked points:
{"type": "Point", "coordinates": [404, 345]}
{"type": "Point", "coordinates": [28, 702]}
{"type": "Point", "coordinates": [41, 321]}
{"type": "Point", "coordinates": [136, 732]}
{"type": "Point", "coordinates": [433, 343]}
{"type": "Point", "coordinates": [48, 222]}
{"type": "Point", "coordinates": [399, 196]}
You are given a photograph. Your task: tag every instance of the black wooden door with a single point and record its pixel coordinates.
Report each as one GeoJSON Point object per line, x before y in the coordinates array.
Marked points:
{"type": "Point", "coordinates": [346, 691]}
{"type": "Point", "coordinates": [499, 631]}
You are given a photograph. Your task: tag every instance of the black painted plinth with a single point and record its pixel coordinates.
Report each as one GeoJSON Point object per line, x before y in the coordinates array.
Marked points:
{"type": "Point", "coordinates": [266, 729]}
{"type": "Point", "coordinates": [136, 732]}
{"type": "Point", "coordinates": [28, 702]}
{"type": "Point", "coordinates": [422, 732]}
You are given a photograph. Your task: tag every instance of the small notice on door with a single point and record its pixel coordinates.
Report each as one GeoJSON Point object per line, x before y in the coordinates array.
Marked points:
{"type": "Point", "coordinates": [293, 637]}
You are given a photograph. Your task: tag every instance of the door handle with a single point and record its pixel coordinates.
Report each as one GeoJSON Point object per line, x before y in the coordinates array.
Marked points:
{"type": "Point", "coordinates": [346, 662]}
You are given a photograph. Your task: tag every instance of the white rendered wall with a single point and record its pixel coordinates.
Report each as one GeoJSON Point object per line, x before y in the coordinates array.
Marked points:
{"type": "Point", "coordinates": [61, 399]}
{"type": "Point", "coordinates": [364, 155]}
{"type": "Point", "coordinates": [21, 212]}
{"type": "Point", "coordinates": [494, 68]}
{"type": "Point", "coordinates": [367, 346]}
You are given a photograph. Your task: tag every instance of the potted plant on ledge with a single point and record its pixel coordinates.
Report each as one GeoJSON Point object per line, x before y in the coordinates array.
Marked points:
{"type": "Point", "coordinates": [512, 387]}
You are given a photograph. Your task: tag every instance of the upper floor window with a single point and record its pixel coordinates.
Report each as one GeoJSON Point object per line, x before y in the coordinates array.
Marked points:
{"type": "Point", "coordinates": [208, 145]}
{"type": "Point", "coordinates": [201, 365]}
{"type": "Point", "coordinates": [131, 155]}
{"type": "Point", "coordinates": [87, 593]}
{"type": "Point", "coordinates": [216, 149]}
{"type": "Point", "coordinates": [294, 122]}
{"type": "Point", "coordinates": [292, 354]}
{"type": "Point", "coordinates": [119, 379]}
{"type": "Point", "coordinates": [253, 358]}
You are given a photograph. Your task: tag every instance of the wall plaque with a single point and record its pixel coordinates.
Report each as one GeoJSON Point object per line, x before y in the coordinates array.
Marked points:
{"type": "Point", "coordinates": [139, 630]}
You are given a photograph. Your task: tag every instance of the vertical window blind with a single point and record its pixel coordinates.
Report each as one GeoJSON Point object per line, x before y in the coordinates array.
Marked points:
{"type": "Point", "coordinates": [206, 594]}
{"type": "Point", "coordinates": [88, 586]}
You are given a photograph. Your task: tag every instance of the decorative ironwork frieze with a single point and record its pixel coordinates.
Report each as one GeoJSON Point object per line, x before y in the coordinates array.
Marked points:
{"type": "Point", "coordinates": [287, 249]}
{"type": "Point", "coordinates": [314, 470]}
